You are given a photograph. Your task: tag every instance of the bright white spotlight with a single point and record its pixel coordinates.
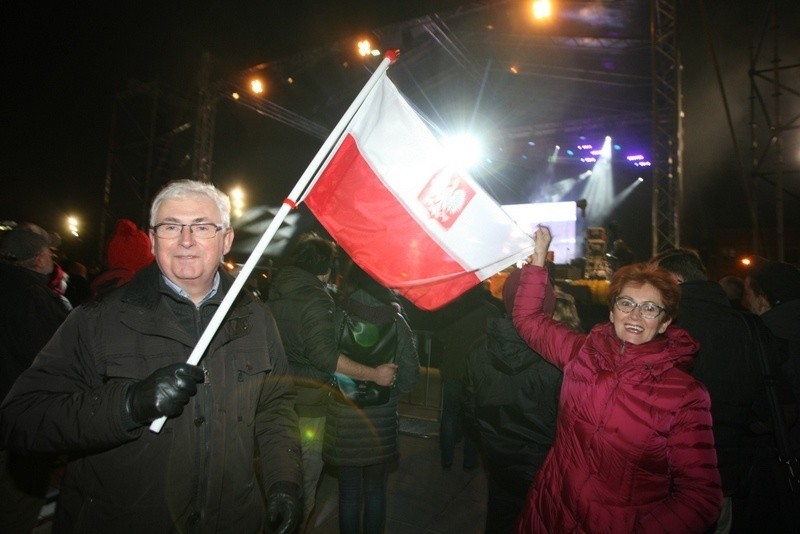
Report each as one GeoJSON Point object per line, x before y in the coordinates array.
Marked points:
{"type": "Point", "coordinates": [462, 151]}
{"type": "Point", "coordinates": [605, 152]}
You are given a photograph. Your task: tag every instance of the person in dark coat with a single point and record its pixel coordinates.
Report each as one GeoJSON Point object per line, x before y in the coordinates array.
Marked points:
{"type": "Point", "coordinates": [634, 449]}
{"type": "Point", "coordinates": [463, 323]}
{"type": "Point", "coordinates": [772, 291]}
{"type": "Point", "coordinates": [361, 442]}
{"type": "Point", "coordinates": [733, 286]}
{"type": "Point", "coordinates": [30, 313]}
{"type": "Point", "coordinates": [228, 456]}
{"type": "Point", "coordinates": [512, 400]}
{"type": "Point", "coordinates": [78, 290]}
{"type": "Point", "coordinates": [727, 364]}
{"type": "Point", "coordinates": [303, 309]}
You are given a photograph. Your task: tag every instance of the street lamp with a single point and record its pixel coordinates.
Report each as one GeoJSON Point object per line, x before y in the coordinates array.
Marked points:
{"type": "Point", "coordinates": [237, 201]}
{"type": "Point", "coordinates": [365, 49]}
{"type": "Point", "coordinates": [72, 225]}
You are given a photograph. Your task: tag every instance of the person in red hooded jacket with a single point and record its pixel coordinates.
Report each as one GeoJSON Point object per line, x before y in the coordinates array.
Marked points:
{"type": "Point", "coordinates": [634, 451]}
{"type": "Point", "coordinates": [128, 252]}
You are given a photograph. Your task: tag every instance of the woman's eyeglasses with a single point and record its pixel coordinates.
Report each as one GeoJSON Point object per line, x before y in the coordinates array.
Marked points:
{"type": "Point", "coordinates": [649, 310]}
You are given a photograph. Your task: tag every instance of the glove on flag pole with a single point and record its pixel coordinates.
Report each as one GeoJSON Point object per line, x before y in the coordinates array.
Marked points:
{"type": "Point", "coordinates": [389, 198]}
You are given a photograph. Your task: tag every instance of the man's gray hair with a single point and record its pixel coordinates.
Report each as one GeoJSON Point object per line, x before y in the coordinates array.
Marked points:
{"type": "Point", "coordinates": [179, 189]}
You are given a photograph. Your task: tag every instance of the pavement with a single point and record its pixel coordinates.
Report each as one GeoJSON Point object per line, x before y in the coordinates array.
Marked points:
{"type": "Point", "coordinates": [421, 496]}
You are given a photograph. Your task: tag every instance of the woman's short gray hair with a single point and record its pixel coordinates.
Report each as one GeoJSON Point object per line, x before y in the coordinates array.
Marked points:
{"type": "Point", "coordinates": [190, 188]}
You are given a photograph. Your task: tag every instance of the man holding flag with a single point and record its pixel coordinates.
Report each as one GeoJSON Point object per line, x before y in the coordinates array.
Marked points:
{"type": "Point", "coordinates": [119, 363]}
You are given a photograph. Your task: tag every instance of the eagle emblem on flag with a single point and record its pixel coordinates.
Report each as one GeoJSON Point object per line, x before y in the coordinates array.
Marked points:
{"type": "Point", "coordinates": [445, 196]}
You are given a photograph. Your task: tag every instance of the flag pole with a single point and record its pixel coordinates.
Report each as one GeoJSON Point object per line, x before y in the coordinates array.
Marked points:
{"type": "Point", "coordinates": [288, 204]}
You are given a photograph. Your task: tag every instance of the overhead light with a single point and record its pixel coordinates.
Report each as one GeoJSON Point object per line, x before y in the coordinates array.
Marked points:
{"type": "Point", "coordinates": [257, 86]}
{"type": "Point", "coordinates": [365, 49]}
{"type": "Point", "coordinates": [542, 9]}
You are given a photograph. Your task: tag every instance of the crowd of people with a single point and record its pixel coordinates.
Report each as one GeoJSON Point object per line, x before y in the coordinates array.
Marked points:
{"type": "Point", "coordinates": [668, 417]}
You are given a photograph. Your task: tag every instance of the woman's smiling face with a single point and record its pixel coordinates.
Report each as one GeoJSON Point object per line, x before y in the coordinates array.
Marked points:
{"type": "Point", "coordinates": [631, 327]}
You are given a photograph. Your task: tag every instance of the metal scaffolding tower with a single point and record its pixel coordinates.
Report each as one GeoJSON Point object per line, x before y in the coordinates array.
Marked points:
{"type": "Point", "coordinates": [147, 146]}
{"type": "Point", "coordinates": [772, 79]}
{"type": "Point", "coordinates": [667, 126]}
{"type": "Point", "coordinates": [204, 124]}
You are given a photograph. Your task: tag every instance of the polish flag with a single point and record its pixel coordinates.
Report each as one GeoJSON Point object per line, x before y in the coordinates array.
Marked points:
{"type": "Point", "coordinates": [389, 198]}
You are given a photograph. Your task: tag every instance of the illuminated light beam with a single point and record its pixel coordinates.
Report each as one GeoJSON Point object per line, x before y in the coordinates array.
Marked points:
{"type": "Point", "coordinates": [605, 151]}
{"type": "Point", "coordinates": [559, 190]}
{"type": "Point", "coordinates": [625, 193]}
{"type": "Point", "coordinates": [599, 190]}
{"type": "Point", "coordinates": [553, 157]}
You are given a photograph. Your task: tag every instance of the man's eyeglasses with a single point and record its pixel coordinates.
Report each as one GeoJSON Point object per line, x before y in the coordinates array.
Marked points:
{"type": "Point", "coordinates": [649, 310]}
{"type": "Point", "coordinates": [199, 230]}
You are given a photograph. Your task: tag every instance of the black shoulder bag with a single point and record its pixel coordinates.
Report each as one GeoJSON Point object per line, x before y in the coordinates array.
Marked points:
{"type": "Point", "coordinates": [785, 457]}
{"type": "Point", "coordinates": [369, 344]}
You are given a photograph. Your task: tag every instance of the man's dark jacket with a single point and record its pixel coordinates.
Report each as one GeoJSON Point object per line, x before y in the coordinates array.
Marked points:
{"type": "Point", "coordinates": [197, 474]}
{"type": "Point", "coordinates": [728, 366]}
{"type": "Point", "coordinates": [30, 313]}
{"type": "Point", "coordinates": [303, 310]}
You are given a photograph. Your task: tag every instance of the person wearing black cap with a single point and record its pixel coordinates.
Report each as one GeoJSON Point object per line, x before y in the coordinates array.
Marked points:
{"type": "Point", "coordinates": [304, 313]}
{"type": "Point", "coordinates": [30, 312]}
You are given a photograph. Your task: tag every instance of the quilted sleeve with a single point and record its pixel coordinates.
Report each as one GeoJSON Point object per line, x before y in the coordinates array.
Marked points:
{"type": "Point", "coordinates": [556, 342]}
{"type": "Point", "coordinates": [696, 497]}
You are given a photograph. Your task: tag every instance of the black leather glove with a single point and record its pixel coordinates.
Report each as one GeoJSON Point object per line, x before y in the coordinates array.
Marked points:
{"type": "Point", "coordinates": [284, 508]}
{"type": "Point", "coordinates": [165, 392]}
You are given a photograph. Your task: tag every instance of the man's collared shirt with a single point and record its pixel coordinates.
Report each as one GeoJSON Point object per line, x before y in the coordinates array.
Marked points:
{"type": "Point", "coordinates": [182, 293]}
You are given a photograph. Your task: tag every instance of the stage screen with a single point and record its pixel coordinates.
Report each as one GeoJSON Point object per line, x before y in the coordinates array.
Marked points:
{"type": "Point", "coordinates": [560, 217]}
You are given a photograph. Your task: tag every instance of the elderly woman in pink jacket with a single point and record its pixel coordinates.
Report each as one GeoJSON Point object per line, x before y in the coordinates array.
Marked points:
{"type": "Point", "coordinates": [634, 450]}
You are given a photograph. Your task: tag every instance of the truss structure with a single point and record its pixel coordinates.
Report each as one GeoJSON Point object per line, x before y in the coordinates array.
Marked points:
{"type": "Point", "coordinates": [667, 126]}
{"type": "Point", "coordinates": [774, 93]}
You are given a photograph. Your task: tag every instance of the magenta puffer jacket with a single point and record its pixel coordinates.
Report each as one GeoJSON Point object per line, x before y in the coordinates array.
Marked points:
{"type": "Point", "coordinates": [634, 450]}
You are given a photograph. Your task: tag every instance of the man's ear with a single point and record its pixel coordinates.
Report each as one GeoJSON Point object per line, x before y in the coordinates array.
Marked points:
{"type": "Point", "coordinates": [227, 241]}
{"type": "Point", "coordinates": [762, 304]}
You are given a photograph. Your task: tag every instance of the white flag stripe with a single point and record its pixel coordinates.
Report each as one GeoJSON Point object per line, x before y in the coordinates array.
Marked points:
{"type": "Point", "coordinates": [405, 155]}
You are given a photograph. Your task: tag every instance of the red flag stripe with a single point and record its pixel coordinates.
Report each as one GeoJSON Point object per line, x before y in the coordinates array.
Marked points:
{"type": "Point", "coordinates": [369, 223]}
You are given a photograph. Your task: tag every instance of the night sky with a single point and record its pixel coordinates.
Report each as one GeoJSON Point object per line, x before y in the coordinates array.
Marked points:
{"type": "Point", "coordinates": [64, 64]}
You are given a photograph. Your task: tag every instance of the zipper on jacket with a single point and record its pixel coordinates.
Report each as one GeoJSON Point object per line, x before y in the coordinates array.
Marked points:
{"type": "Point", "coordinates": [202, 423]}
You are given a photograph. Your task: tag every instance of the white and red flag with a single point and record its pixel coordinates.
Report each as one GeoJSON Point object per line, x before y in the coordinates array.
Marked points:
{"type": "Point", "coordinates": [390, 199]}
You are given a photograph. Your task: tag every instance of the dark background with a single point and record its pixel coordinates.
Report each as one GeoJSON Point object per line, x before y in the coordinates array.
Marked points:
{"type": "Point", "coordinates": [65, 64]}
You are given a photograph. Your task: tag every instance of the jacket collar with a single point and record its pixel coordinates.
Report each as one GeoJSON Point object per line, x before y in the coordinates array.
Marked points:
{"type": "Point", "coordinates": [147, 286]}
{"type": "Point", "coordinates": [673, 348]}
